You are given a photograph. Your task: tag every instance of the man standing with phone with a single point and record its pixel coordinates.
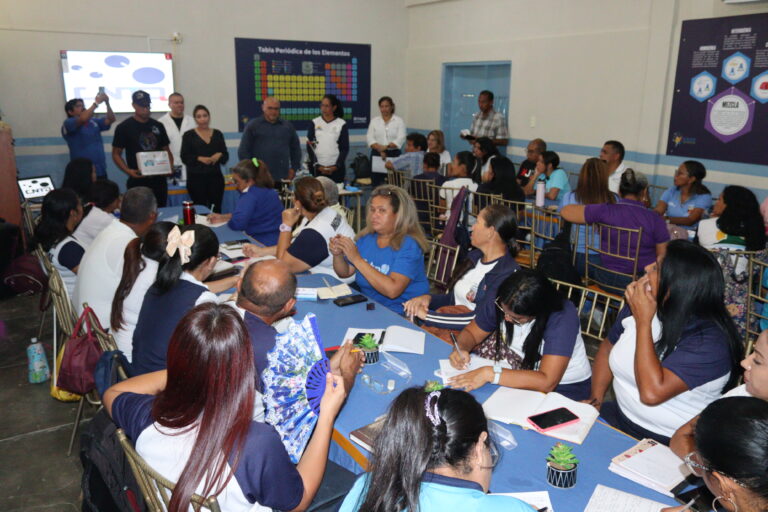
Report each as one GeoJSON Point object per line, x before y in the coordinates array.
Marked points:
{"type": "Point", "coordinates": [137, 134]}
{"type": "Point", "coordinates": [82, 131]}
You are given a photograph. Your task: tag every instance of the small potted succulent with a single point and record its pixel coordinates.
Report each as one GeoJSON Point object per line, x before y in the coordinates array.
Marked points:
{"type": "Point", "coordinates": [433, 385]}
{"type": "Point", "coordinates": [370, 347]}
{"type": "Point", "coordinates": [561, 466]}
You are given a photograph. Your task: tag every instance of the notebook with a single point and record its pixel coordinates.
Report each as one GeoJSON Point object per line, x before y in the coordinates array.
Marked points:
{"type": "Point", "coordinates": [607, 499]}
{"type": "Point", "coordinates": [392, 339]}
{"type": "Point", "coordinates": [333, 292]}
{"type": "Point", "coordinates": [653, 465]}
{"type": "Point", "coordinates": [364, 436]}
{"type": "Point", "coordinates": [510, 405]}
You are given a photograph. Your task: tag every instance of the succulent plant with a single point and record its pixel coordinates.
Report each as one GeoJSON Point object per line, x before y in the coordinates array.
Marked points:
{"type": "Point", "coordinates": [433, 385]}
{"type": "Point", "coordinates": [561, 457]}
{"type": "Point", "coordinates": [367, 342]}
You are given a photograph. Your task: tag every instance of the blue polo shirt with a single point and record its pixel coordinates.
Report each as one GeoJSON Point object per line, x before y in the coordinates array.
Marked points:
{"type": "Point", "coordinates": [677, 208]}
{"type": "Point", "coordinates": [85, 141]}
{"type": "Point", "coordinates": [408, 261]}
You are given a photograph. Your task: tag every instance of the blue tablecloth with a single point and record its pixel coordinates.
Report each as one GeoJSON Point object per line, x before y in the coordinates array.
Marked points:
{"type": "Point", "coordinates": [177, 194]}
{"type": "Point", "coordinates": [521, 469]}
{"type": "Point", "coordinates": [224, 233]}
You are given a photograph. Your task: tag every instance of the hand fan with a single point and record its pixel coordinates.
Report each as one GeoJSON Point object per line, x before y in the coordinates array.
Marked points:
{"type": "Point", "coordinates": [294, 383]}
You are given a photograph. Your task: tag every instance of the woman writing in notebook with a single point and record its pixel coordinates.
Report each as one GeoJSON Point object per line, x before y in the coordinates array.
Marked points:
{"type": "Point", "coordinates": [672, 351]}
{"type": "Point", "coordinates": [730, 453]}
{"type": "Point", "coordinates": [433, 454]}
{"type": "Point", "coordinates": [532, 339]}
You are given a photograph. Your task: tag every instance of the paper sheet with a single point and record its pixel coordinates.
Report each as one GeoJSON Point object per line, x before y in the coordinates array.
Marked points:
{"type": "Point", "coordinates": [203, 221]}
{"type": "Point", "coordinates": [447, 371]}
{"type": "Point", "coordinates": [396, 338]}
{"type": "Point", "coordinates": [537, 499]}
{"type": "Point", "coordinates": [607, 499]}
{"type": "Point", "coordinates": [377, 165]}
{"type": "Point", "coordinates": [660, 465]}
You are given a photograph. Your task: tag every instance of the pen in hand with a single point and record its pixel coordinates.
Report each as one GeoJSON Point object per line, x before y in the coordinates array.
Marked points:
{"type": "Point", "coordinates": [456, 346]}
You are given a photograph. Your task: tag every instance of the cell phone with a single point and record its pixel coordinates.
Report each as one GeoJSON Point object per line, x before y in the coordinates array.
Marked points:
{"type": "Point", "coordinates": [101, 90]}
{"type": "Point", "coordinates": [235, 244]}
{"type": "Point", "coordinates": [553, 419]}
{"type": "Point", "coordinates": [703, 497]}
{"type": "Point", "coordinates": [349, 300]}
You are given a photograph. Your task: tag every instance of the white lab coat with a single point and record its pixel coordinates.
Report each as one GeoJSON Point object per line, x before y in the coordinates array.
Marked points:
{"type": "Point", "coordinates": [174, 135]}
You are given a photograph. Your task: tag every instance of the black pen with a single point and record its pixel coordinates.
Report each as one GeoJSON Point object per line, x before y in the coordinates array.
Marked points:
{"type": "Point", "coordinates": [542, 509]}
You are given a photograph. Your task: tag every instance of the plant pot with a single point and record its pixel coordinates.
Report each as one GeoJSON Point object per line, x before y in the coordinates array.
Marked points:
{"type": "Point", "coordinates": [561, 478]}
{"type": "Point", "coordinates": [371, 355]}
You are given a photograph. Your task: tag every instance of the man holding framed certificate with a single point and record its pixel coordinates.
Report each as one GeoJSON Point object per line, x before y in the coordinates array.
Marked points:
{"type": "Point", "coordinates": [148, 159]}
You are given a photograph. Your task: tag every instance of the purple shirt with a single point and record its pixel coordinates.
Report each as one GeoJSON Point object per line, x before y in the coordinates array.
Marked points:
{"type": "Point", "coordinates": [628, 214]}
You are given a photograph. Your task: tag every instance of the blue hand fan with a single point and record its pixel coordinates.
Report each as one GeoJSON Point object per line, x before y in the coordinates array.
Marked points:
{"type": "Point", "coordinates": [294, 383]}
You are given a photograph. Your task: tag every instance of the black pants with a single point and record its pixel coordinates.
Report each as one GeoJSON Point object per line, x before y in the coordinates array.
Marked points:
{"type": "Point", "coordinates": [206, 189]}
{"type": "Point", "coordinates": [158, 184]}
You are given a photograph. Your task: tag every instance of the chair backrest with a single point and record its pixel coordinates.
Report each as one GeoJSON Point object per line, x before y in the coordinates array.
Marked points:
{"type": "Point", "coordinates": [105, 339]}
{"type": "Point", "coordinates": [396, 178]}
{"type": "Point", "coordinates": [435, 210]}
{"type": "Point", "coordinates": [441, 263]}
{"type": "Point", "coordinates": [349, 214]}
{"type": "Point", "coordinates": [425, 199]}
{"type": "Point", "coordinates": [622, 244]}
{"type": "Point", "coordinates": [480, 201]}
{"type": "Point", "coordinates": [65, 313]}
{"type": "Point", "coordinates": [597, 310]}
{"type": "Point", "coordinates": [757, 299]}
{"type": "Point", "coordinates": [546, 225]}
{"type": "Point", "coordinates": [156, 488]}
{"type": "Point", "coordinates": [524, 214]}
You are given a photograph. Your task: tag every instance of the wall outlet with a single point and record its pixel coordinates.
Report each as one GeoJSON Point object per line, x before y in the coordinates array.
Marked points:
{"type": "Point", "coordinates": [176, 37]}
{"type": "Point", "coordinates": [533, 122]}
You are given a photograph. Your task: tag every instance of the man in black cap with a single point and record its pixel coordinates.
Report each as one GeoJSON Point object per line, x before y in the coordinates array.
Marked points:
{"type": "Point", "coordinates": [137, 134]}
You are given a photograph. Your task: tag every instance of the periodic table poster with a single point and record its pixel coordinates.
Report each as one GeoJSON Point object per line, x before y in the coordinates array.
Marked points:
{"type": "Point", "coordinates": [720, 103]}
{"type": "Point", "coordinates": [299, 74]}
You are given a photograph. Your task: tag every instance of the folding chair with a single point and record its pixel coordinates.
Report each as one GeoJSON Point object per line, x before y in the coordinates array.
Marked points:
{"type": "Point", "coordinates": [436, 210]}
{"type": "Point", "coordinates": [480, 201]}
{"type": "Point", "coordinates": [441, 263]}
{"type": "Point", "coordinates": [757, 299]}
{"type": "Point", "coordinates": [156, 488]}
{"type": "Point", "coordinates": [524, 214]}
{"type": "Point", "coordinates": [597, 311]}
{"type": "Point", "coordinates": [424, 197]}
{"type": "Point", "coordinates": [546, 225]}
{"type": "Point", "coordinates": [396, 178]}
{"type": "Point", "coordinates": [621, 244]}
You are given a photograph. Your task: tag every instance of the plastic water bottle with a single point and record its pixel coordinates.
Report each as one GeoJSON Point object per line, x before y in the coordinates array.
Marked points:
{"type": "Point", "coordinates": [540, 191]}
{"type": "Point", "coordinates": [37, 363]}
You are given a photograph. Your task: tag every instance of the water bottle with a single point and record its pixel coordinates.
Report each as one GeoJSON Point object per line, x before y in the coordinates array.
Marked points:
{"type": "Point", "coordinates": [540, 191]}
{"type": "Point", "coordinates": [37, 363]}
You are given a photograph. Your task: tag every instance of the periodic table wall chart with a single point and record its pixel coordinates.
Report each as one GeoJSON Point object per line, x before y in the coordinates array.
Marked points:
{"type": "Point", "coordinates": [720, 102]}
{"type": "Point", "coordinates": [299, 74]}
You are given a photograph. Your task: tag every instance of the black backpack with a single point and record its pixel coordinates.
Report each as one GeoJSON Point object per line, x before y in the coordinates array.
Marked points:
{"type": "Point", "coordinates": [108, 482]}
{"type": "Point", "coordinates": [362, 166]}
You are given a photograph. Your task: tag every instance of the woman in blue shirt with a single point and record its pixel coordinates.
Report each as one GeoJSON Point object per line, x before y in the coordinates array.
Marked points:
{"type": "Point", "coordinates": [259, 210]}
{"type": "Point", "coordinates": [388, 258]}
{"type": "Point", "coordinates": [548, 170]}
{"type": "Point", "coordinates": [433, 454]}
{"type": "Point", "coordinates": [686, 203]}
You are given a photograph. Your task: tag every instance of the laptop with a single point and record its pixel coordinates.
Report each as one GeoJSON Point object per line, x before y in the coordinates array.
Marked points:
{"type": "Point", "coordinates": [34, 189]}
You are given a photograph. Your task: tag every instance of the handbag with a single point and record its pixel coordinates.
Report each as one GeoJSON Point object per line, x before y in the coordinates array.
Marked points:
{"type": "Point", "coordinates": [81, 353]}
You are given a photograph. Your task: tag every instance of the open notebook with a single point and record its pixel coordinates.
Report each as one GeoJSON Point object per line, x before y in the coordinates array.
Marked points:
{"type": "Point", "coordinates": [392, 339]}
{"type": "Point", "coordinates": [510, 405]}
{"type": "Point", "coordinates": [653, 465]}
{"type": "Point", "coordinates": [607, 499]}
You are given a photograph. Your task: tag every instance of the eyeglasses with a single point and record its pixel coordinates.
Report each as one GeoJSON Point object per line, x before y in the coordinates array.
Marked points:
{"type": "Point", "coordinates": [508, 316]}
{"type": "Point", "coordinates": [692, 460]}
{"type": "Point", "coordinates": [494, 452]}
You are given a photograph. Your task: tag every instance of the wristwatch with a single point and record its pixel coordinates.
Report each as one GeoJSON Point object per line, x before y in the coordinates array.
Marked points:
{"type": "Point", "coordinates": [496, 372]}
{"type": "Point", "coordinates": [285, 228]}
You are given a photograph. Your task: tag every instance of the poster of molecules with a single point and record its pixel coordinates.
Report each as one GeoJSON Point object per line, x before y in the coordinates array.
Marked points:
{"type": "Point", "coordinates": [120, 73]}
{"type": "Point", "coordinates": [720, 103]}
{"type": "Point", "coordinates": [299, 74]}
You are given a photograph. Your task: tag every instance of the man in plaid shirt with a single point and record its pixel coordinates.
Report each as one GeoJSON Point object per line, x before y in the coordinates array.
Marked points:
{"type": "Point", "coordinates": [488, 122]}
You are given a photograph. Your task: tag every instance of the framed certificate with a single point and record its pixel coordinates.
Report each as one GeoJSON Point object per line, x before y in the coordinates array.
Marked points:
{"type": "Point", "coordinates": [153, 163]}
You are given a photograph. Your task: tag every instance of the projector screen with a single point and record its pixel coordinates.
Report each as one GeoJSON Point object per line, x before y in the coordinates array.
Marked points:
{"type": "Point", "coordinates": [120, 73]}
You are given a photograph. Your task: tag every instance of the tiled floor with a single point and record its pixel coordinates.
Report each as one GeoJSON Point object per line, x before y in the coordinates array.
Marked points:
{"type": "Point", "coordinates": [35, 472]}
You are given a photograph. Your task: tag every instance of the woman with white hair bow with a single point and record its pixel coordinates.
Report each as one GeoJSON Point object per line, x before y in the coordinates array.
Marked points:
{"type": "Point", "coordinates": [192, 253]}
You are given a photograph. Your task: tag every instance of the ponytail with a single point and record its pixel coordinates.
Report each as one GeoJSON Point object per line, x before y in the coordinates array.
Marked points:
{"type": "Point", "coordinates": [132, 266]}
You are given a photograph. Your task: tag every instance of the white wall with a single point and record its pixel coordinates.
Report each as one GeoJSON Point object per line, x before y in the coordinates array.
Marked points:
{"type": "Point", "coordinates": [588, 70]}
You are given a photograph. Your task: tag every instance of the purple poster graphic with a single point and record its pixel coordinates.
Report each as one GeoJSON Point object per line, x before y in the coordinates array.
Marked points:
{"type": "Point", "coordinates": [720, 102]}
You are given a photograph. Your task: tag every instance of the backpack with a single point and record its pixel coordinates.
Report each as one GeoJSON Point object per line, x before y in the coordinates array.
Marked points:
{"type": "Point", "coordinates": [106, 372]}
{"type": "Point", "coordinates": [362, 166]}
{"type": "Point", "coordinates": [108, 482]}
{"type": "Point", "coordinates": [20, 274]}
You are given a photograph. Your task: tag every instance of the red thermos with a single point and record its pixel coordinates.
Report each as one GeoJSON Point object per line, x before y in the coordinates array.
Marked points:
{"type": "Point", "coordinates": [188, 212]}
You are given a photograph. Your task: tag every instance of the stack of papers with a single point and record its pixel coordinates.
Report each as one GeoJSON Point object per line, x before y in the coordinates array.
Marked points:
{"type": "Point", "coordinates": [653, 465]}
{"type": "Point", "coordinates": [510, 405]}
{"type": "Point", "coordinates": [606, 499]}
{"type": "Point", "coordinates": [392, 339]}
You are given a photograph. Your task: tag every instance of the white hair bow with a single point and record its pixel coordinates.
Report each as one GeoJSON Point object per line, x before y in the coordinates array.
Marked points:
{"type": "Point", "coordinates": [182, 243]}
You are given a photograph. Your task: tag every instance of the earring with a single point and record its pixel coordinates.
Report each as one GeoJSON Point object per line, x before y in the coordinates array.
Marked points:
{"type": "Point", "coordinates": [718, 499]}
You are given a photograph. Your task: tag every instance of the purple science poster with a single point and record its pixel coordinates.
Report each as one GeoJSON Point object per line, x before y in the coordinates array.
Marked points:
{"type": "Point", "coordinates": [720, 103]}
